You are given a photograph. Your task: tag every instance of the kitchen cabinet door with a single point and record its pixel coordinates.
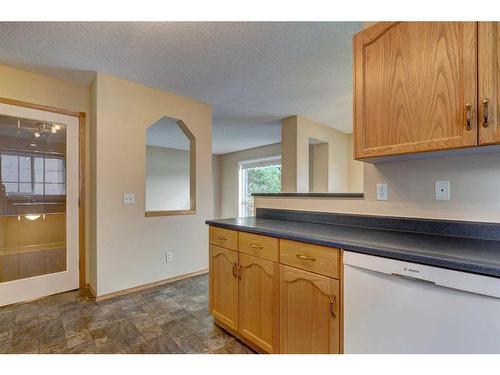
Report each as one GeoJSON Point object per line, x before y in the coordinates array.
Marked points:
{"type": "Point", "coordinates": [489, 83]}
{"type": "Point", "coordinates": [414, 88]}
{"type": "Point", "coordinates": [309, 319]}
{"type": "Point", "coordinates": [223, 286]}
{"type": "Point", "coordinates": [259, 302]}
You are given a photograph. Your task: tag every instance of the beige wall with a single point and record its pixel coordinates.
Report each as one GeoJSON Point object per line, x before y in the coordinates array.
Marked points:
{"type": "Point", "coordinates": [123, 112]}
{"type": "Point", "coordinates": [216, 186]}
{"type": "Point", "coordinates": [289, 155]}
{"type": "Point", "coordinates": [230, 179]}
{"type": "Point", "coordinates": [318, 168]}
{"type": "Point", "coordinates": [36, 88]}
{"type": "Point", "coordinates": [167, 179]}
{"type": "Point", "coordinates": [475, 190]}
{"type": "Point", "coordinates": [92, 193]}
{"type": "Point", "coordinates": [39, 89]}
{"type": "Point", "coordinates": [296, 132]}
{"type": "Point", "coordinates": [355, 171]}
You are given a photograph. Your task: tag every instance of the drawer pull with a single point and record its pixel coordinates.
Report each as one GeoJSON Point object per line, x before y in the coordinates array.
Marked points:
{"type": "Point", "coordinates": [235, 270]}
{"type": "Point", "coordinates": [222, 238]}
{"type": "Point", "coordinates": [468, 116]}
{"type": "Point", "coordinates": [240, 272]}
{"type": "Point", "coordinates": [332, 302]}
{"type": "Point", "coordinates": [305, 257]}
{"type": "Point", "coordinates": [255, 246]}
{"type": "Point", "coordinates": [485, 113]}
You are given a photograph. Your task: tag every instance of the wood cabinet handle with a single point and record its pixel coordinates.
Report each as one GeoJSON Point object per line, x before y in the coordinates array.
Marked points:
{"type": "Point", "coordinates": [332, 310]}
{"type": "Point", "coordinates": [485, 112]}
{"type": "Point", "coordinates": [240, 272]}
{"type": "Point", "coordinates": [305, 257]}
{"type": "Point", "coordinates": [468, 116]}
{"type": "Point", "coordinates": [222, 238]}
{"type": "Point", "coordinates": [235, 270]}
{"type": "Point", "coordinates": [256, 246]}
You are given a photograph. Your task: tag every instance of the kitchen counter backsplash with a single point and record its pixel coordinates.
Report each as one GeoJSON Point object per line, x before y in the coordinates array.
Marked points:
{"type": "Point", "coordinates": [455, 228]}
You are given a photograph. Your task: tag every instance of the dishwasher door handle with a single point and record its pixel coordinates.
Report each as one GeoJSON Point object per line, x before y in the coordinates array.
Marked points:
{"type": "Point", "coordinates": [411, 278]}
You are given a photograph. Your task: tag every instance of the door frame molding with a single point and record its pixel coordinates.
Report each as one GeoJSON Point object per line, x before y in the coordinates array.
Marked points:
{"type": "Point", "coordinates": [81, 172]}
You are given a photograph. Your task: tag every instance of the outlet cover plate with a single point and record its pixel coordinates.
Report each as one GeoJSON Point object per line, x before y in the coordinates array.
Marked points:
{"type": "Point", "coordinates": [442, 190]}
{"type": "Point", "coordinates": [382, 192]}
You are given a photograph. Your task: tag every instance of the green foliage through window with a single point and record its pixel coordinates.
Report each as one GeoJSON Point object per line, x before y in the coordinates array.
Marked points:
{"type": "Point", "coordinates": [266, 179]}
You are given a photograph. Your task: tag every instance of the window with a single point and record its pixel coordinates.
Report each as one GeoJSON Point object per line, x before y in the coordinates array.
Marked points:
{"type": "Point", "coordinates": [24, 174]}
{"type": "Point", "coordinates": [257, 176]}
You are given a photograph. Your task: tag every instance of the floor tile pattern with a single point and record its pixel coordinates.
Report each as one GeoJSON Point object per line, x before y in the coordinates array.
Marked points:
{"type": "Point", "coordinates": [171, 318]}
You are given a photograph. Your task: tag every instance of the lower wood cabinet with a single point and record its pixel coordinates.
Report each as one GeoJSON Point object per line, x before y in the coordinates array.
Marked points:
{"type": "Point", "coordinates": [223, 286]}
{"type": "Point", "coordinates": [277, 308]}
{"type": "Point", "coordinates": [259, 302]}
{"type": "Point", "coordinates": [309, 312]}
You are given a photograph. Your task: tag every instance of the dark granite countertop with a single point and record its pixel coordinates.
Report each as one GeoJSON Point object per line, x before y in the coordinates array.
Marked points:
{"type": "Point", "coordinates": [478, 256]}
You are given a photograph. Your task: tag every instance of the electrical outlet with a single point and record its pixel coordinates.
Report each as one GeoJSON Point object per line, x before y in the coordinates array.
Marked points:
{"type": "Point", "coordinates": [442, 190]}
{"type": "Point", "coordinates": [382, 192]}
{"type": "Point", "coordinates": [169, 257]}
{"type": "Point", "coordinates": [128, 198]}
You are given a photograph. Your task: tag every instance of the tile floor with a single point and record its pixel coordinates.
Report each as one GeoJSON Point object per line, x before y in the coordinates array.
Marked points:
{"type": "Point", "coordinates": [172, 318]}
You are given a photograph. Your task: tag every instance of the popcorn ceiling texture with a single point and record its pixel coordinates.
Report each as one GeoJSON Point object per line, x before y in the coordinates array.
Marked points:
{"type": "Point", "coordinates": [253, 74]}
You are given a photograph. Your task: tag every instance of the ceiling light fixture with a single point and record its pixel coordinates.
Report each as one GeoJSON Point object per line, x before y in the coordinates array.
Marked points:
{"type": "Point", "coordinates": [43, 128]}
{"type": "Point", "coordinates": [32, 217]}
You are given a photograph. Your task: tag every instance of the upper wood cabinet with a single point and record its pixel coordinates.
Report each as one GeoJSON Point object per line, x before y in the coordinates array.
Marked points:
{"type": "Point", "coordinates": [223, 286]}
{"type": "Point", "coordinates": [309, 312]}
{"type": "Point", "coordinates": [415, 87]}
{"type": "Point", "coordinates": [489, 82]}
{"type": "Point", "coordinates": [259, 302]}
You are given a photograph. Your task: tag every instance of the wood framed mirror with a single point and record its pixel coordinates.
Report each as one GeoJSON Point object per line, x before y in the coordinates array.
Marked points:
{"type": "Point", "coordinates": [170, 168]}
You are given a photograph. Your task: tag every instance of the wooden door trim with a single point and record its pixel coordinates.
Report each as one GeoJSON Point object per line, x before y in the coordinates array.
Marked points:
{"type": "Point", "coordinates": [81, 172]}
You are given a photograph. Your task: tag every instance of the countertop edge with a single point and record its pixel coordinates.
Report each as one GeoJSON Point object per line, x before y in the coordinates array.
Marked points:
{"type": "Point", "coordinates": [448, 263]}
{"type": "Point", "coordinates": [311, 195]}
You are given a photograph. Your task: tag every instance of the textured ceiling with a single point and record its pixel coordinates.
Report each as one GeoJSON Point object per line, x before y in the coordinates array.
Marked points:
{"type": "Point", "coordinates": [253, 74]}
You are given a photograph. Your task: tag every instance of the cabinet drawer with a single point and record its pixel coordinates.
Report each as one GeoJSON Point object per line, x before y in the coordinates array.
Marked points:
{"type": "Point", "coordinates": [314, 258]}
{"type": "Point", "coordinates": [223, 237]}
{"type": "Point", "coordinates": [259, 246]}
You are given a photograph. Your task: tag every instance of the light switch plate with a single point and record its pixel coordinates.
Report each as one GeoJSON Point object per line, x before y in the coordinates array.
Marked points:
{"type": "Point", "coordinates": [442, 190]}
{"type": "Point", "coordinates": [382, 193]}
{"type": "Point", "coordinates": [128, 198]}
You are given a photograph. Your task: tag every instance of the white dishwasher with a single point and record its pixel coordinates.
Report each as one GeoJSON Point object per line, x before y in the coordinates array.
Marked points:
{"type": "Point", "coordinates": [392, 306]}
